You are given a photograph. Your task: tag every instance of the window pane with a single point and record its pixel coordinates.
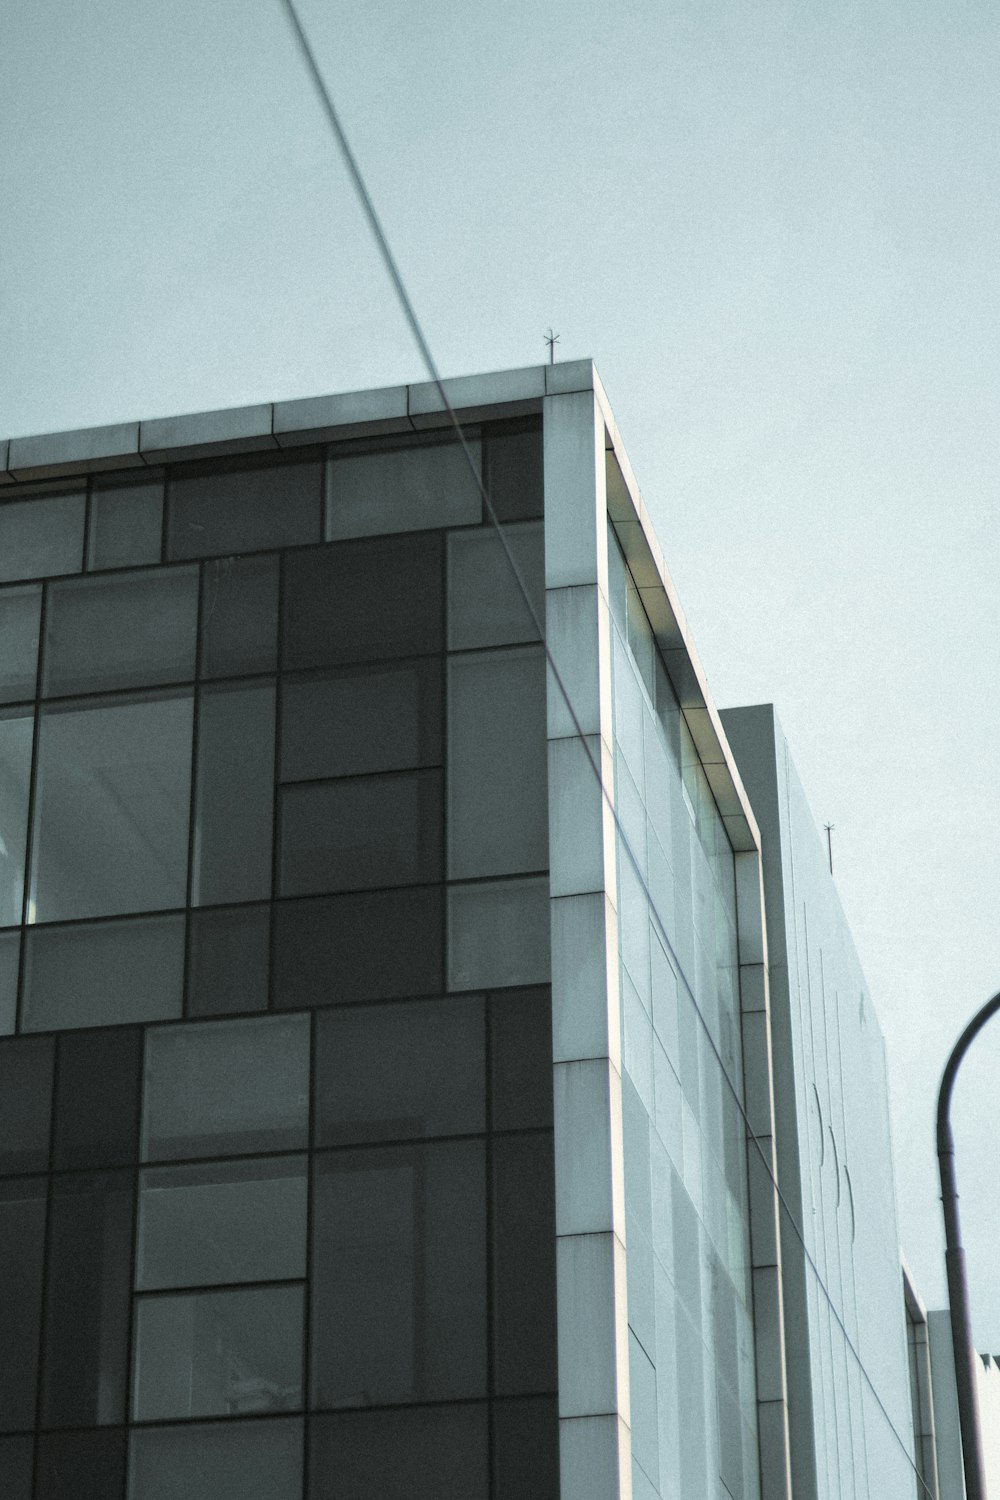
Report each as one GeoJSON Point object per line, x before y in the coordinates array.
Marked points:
{"type": "Point", "coordinates": [39, 537]}
{"type": "Point", "coordinates": [228, 960]}
{"type": "Point", "coordinates": [25, 1104]}
{"type": "Point", "coordinates": [526, 1449]}
{"type": "Point", "coordinates": [387, 1072]}
{"type": "Point", "coordinates": [121, 631]}
{"type": "Point", "coordinates": [385, 718]}
{"type": "Point", "coordinates": [10, 963]}
{"type": "Point", "coordinates": [402, 489]}
{"type": "Point", "coordinates": [16, 1466]}
{"type": "Point", "coordinates": [225, 1354]}
{"type": "Point", "coordinates": [239, 612]}
{"type": "Point", "coordinates": [513, 469]}
{"type": "Point", "coordinates": [81, 1465]}
{"type": "Point", "coordinates": [235, 794]}
{"type": "Point", "coordinates": [375, 946]}
{"type": "Point", "coordinates": [250, 508]}
{"type": "Point", "coordinates": [524, 1266]}
{"type": "Point", "coordinates": [19, 619]}
{"type": "Point", "coordinates": [87, 1300]}
{"type": "Point", "coordinates": [399, 1297]}
{"type": "Point", "coordinates": [498, 934]}
{"type": "Point", "coordinates": [126, 522]}
{"type": "Point", "coordinates": [223, 1223]}
{"type": "Point", "coordinates": [16, 730]}
{"type": "Point", "coordinates": [222, 1087]}
{"type": "Point", "coordinates": [362, 601]}
{"type": "Point", "coordinates": [103, 973]}
{"type": "Point", "coordinates": [497, 804]}
{"type": "Point", "coordinates": [485, 603]}
{"type": "Point", "coordinates": [217, 1461]}
{"type": "Point", "coordinates": [436, 1453]}
{"type": "Point", "coordinates": [22, 1234]}
{"type": "Point", "coordinates": [362, 832]}
{"type": "Point", "coordinates": [111, 808]}
{"type": "Point", "coordinates": [521, 1053]}
{"type": "Point", "coordinates": [97, 1099]}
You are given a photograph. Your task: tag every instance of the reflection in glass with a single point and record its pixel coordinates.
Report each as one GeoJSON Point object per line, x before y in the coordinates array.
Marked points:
{"type": "Point", "coordinates": [222, 1223]}
{"type": "Point", "coordinates": [485, 604]}
{"type": "Point", "coordinates": [111, 808]}
{"type": "Point", "coordinates": [103, 973]}
{"type": "Point", "coordinates": [122, 630]}
{"type": "Point", "coordinates": [16, 729]}
{"type": "Point", "coordinates": [217, 1461]}
{"type": "Point", "coordinates": [231, 859]}
{"type": "Point", "coordinates": [371, 718]}
{"type": "Point", "coordinates": [402, 489]}
{"type": "Point", "coordinates": [498, 934]}
{"type": "Point", "coordinates": [255, 507]}
{"type": "Point", "coordinates": [126, 522]}
{"type": "Point", "coordinates": [360, 832]}
{"type": "Point", "coordinates": [39, 537]}
{"type": "Point", "coordinates": [226, 1087]}
{"type": "Point", "coordinates": [388, 1072]}
{"type": "Point", "coordinates": [205, 1354]}
{"type": "Point", "coordinates": [20, 610]}
{"type": "Point", "coordinates": [399, 1296]}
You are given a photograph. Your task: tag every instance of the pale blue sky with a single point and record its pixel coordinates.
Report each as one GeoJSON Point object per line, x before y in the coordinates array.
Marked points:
{"type": "Point", "coordinates": [775, 228]}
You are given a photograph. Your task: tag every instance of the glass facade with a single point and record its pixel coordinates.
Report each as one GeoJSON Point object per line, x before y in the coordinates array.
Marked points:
{"type": "Point", "coordinates": [276, 1171]}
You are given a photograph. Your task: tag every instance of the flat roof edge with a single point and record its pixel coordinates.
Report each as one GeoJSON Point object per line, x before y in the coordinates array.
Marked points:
{"type": "Point", "coordinates": [281, 424]}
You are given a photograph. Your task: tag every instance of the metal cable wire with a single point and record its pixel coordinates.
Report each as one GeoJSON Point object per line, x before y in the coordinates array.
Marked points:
{"type": "Point", "coordinates": [409, 313]}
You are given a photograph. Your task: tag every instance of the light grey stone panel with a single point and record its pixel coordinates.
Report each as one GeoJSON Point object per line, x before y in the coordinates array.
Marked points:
{"type": "Point", "coordinates": [593, 1327]}
{"type": "Point", "coordinates": [54, 454]}
{"type": "Point", "coordinates": [578, 634]}
{"type": "Point", "coordinates": [240, 429]}
{"type": "Point", "coordinates": [354, 414]}
{"type": "Point", "coordinates": [585, 981]}
{"type": "Point", "coordinates": [757, 1071]}
{"type": "Point", "coordinates": [573, 375]}
{"type": "Point", "coordinates": [583, 1103]}
{"type": "Point", "coordinates": [594, 1458]}
{"type": "Point", "coordinates": [580, 821]}
{"type": "Point", "coordinates": [575, 524]}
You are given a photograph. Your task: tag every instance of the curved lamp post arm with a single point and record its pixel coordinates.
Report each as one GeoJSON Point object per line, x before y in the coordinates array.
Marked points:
{"type": "Point", "coordinates": [954, 1256]}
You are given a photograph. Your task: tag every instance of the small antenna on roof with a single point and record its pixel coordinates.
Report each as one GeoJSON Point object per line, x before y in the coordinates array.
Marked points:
{"type": "Point", "coordinates": [829, 843]}
{"type": "Point", "coordinates": [552, 340]}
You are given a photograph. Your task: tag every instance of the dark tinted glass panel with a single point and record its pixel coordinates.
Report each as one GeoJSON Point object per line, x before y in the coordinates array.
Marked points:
{"type": "Point", "coordinates": [221, 1223]}
{"type": "Point", "coordinates": [228, 957]}
{"type": "Point", "coordinates": [526, 1449]}
{"type": "Point", "coordinates": [388, 1072]}
{"type": "Point", "coordinates": [39, 537]}
{"type": "Point", "coordinates": [97, 1099]}
{"type": "Point", "coordinates": [524, 1281]}
{"type": "Point", "coordinates": [87, 1300]}
{"type": "Point", "coordinates": [486, 606]}
{"type": "Point", "coordinates": [218, 1354]}
{"type": "Point", "coordinates": [25, 1104]}
{"type": "Point", "coordinates": [16, 1464]}
{"type": "Point", "coordinates": [10, 963]}
{"type": "Point", "coordinates": [103, 973]}
{"type": "Point", "coordinates": [375, 946]}
{"type": "Point", "coordinates": [22, 1238]}
{"type": "Point", "coordinates": [20, 610]}
{"type": "Point", "coordinates": [16, 733]}
{"type": "Point", "coordinates": [235, 795]}
{"type": "Point", "coordinates": [239, 616]}
{"type": "Point", "coordinates": [361, 832]}
{"type": "Point", "coordinates": [403, 489]}
{"type": "Point", "coordinates": [435, 1454]}
{"type": "Point", "coordinates": [121, 631]}
{"type": "Point", "coordinates": [81, 1465]}
{"type": "Point", "coordinates": [378, 718]}
{"type": "Point", "coordinates": [111, 810]}
{"type": "Point", "coordinates": [399, 1296]}
{"type": "Point", "coordinates": [514, 471]}
{"type": "Point", "coordinates": [363, 601]}
{"type": "Point", "coordinates": [217, 1461]}
{"type": "Point", "coordinates": [246, 509]}
{"type": "Point", "coordinates": [498, 934]}
{"type": "Point", "coordinates": [521, 1053]}
{"type": "Point", "coordinates": [126, 524]}
{"type": "Point", "coordinates": [223, 1087]}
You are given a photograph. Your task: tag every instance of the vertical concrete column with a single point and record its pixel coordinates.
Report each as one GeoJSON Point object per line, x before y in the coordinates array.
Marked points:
{"type": "Point", "coordinates": [595, 1438]}
{"type": "Point", "coordinates": [762, 1172]}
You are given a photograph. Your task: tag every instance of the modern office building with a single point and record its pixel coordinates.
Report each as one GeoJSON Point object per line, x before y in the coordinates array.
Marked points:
{"type": "Point", "coordinates": [391, 1104]}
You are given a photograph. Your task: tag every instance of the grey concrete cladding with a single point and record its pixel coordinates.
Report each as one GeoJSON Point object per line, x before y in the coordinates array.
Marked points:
{"type": "Point", "coordinates": [279, 424]}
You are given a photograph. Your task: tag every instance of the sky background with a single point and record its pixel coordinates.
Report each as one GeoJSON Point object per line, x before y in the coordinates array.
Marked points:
{"type": "Point", "coordinates": [774, 226]}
